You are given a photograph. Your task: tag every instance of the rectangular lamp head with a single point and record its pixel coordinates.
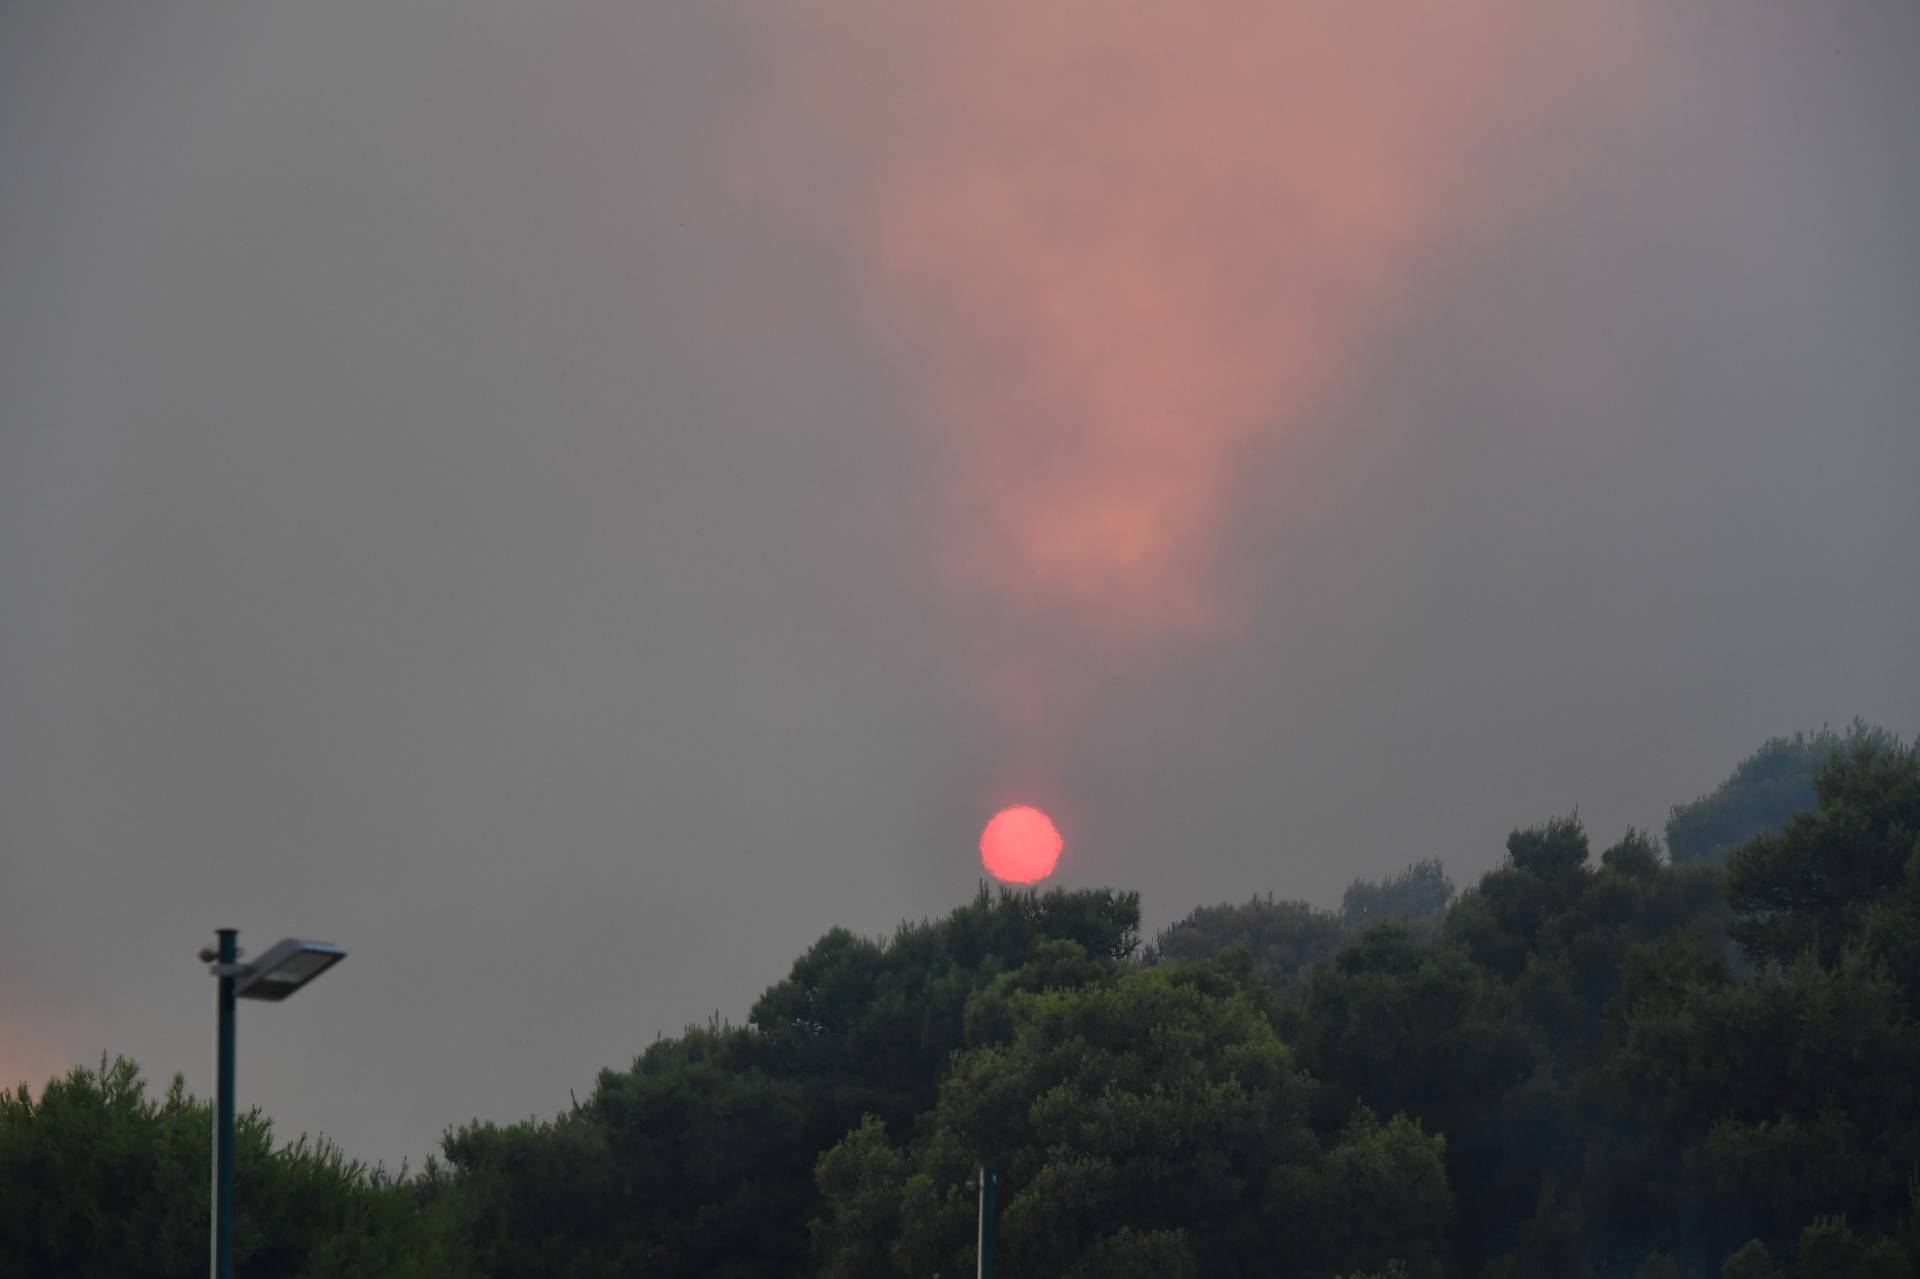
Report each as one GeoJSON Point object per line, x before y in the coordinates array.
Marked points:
{"type": "Point", "coordinates": [287, 967]}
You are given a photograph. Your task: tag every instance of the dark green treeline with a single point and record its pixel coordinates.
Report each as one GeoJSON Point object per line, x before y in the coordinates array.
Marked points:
{"type": "Point", "coordinates": [1608, 1066]}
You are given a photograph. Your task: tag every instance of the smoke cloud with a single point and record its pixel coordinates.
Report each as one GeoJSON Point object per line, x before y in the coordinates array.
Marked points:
{"type": "Point", "coordinates": [1116, 245]}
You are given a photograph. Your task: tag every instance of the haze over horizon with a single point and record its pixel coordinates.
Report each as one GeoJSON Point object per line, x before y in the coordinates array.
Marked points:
{"type": "Point", "coordinates": [572, 505]}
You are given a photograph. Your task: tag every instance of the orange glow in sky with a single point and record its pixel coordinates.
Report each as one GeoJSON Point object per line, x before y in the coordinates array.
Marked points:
{"type": "Point", "coordinates": [1020, 845]}
{"type": "Point", "coordinates": [29, 1056]}
{"type": "Point", "coordinates": [1114, 246]}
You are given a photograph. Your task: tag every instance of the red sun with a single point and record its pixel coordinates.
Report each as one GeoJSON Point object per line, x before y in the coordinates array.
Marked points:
{"type": "Point", "coordinates": [1020, 845]}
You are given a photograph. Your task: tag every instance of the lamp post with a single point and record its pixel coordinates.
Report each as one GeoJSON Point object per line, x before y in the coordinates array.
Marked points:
{"type": "Point", "coordinates": [285, 968]}
{"type": "Point", "coordinates": [989, 1185]}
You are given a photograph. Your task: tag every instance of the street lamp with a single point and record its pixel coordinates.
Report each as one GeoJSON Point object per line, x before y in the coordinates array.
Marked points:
{"type": "Point", "coordinates": [285, 968]}
{"type": "Point", "coordinates": [988, 1184]}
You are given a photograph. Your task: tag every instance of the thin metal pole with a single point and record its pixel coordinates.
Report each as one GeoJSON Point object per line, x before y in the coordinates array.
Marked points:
{"type": "Point", "coordinates": [989, 1184]}
{"type": "Point", "coordinates": [223, 1119]}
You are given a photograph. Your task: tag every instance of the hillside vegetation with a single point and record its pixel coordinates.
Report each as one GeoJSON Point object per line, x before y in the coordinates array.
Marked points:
{"type": "Point", "coordinates": [1616, 1065]}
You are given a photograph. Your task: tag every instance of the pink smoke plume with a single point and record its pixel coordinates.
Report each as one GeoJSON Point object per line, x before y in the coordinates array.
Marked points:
{"type": "Point", "coordinates": [1114, 244]}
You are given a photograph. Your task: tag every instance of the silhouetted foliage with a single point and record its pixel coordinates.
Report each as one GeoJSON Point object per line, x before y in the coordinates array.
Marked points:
{"type": "Point", "coordinates": [1153, 1123]}
{"type": "Point", "coordinates": [1282, 939]}
{"type": "Point", "coordinates": [1768, 787]}
{"type": "Point", "coordinates": [1420, 893]}
{"type": "Point", "coordinates": [1813, 885]}
{"type": "Point", "coordinates": [702, 1155]}
{"type": "Point", "coordinates": [99, 1179]}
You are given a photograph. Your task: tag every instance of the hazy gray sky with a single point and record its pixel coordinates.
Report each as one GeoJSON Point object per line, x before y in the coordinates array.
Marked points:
{"type": "Point", "coordinates": [570, 502]}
